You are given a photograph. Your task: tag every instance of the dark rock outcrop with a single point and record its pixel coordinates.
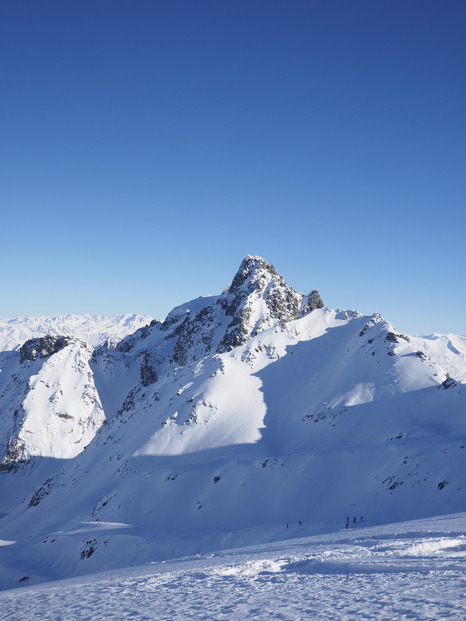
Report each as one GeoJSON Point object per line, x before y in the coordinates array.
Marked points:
{"type": "Point", "coordinates": [148, 372]}
{"type": "Point", "coordinates": [256, 281]}
{"type": "Point", "coordinates": [311, 302]}
{"type": "Point", "coordinates": [43, 347]}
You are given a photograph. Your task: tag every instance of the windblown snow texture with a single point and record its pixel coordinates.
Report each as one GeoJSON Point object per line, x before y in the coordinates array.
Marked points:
{"type": "Point", "coordinates": [412, 570]}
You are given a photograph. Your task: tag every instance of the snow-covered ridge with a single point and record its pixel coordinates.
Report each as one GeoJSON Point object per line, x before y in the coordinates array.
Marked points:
{"type": "Point", "coordinates": [95, 330]}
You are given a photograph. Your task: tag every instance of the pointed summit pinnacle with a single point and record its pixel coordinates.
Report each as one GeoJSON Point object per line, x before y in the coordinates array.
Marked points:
{"type": "Point", "coordinates": [257, 299]}
{"type": "Point", "coordinates": [250, 271]}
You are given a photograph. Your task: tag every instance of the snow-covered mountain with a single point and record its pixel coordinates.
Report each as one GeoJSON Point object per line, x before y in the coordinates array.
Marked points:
{"type": "Point", "coordinates": [449, 350]}
{"type": "Point", "coordinates": [238, 414]}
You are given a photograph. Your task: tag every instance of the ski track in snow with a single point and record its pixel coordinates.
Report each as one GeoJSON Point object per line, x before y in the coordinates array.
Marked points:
{"type": "Point", "coordinates": [413, 570]}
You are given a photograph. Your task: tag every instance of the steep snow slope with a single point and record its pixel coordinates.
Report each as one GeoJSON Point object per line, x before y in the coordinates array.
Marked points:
{"type": "Point", "coordinates": [94, 330]}
{"type": "Point", "coordinates": [252, 409]}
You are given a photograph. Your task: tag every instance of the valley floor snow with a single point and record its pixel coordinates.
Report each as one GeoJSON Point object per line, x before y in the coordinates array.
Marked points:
{"type": "Point", "coordinates": [411, 570]}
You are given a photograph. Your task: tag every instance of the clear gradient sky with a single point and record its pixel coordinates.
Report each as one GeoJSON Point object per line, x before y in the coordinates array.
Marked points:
{"type": "Point", "coordinates": [147, 146]}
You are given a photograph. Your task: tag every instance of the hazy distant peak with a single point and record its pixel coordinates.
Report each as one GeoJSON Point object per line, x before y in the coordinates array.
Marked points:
{"type": "Point", "coordinates": [92, 329]}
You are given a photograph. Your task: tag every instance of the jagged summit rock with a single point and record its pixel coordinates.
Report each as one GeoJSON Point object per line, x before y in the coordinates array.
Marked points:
{"type": "Point", "coordinates": [42, 347]}
{"type": "Point", "coordinates": [257, 299]}
{"type": "Point", "coordinates": [250, 271]}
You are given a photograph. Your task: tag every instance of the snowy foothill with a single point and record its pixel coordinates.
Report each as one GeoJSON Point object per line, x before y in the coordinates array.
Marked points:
{"type": "Point", "coordinates": [411, 570]}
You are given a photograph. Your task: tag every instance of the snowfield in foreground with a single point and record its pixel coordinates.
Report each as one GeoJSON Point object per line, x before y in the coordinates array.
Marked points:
{"type": "Point", "coordinates": [410, 570]}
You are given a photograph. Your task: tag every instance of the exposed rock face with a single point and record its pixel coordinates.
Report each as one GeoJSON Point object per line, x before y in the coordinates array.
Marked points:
{"type": "Point", "coordinates": [195, 335]}
{"type": "Point", "coordinates": [311, 302]}
{"type": "Point", "coordinates": [448, 383]}
{"type": "Point", "coordinates": [249, 272]}
{"type": "Point", "coordinates": [14, 455]}
{"type": "Point", "coordinates": [257, 298]}
{"type": "Point", "coordinates": [43, 347]}
{"type": "Point", "coordinates": [148, 373]}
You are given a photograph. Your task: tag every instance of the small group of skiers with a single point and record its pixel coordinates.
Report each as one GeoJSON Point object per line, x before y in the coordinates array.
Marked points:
{"type": "Point", "coordinates": [347, 521]}
{"type": "Point", "coordinates": [354, 520]}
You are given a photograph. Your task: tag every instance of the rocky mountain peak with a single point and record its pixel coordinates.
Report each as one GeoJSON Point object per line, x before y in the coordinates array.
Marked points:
{"type": "Point", "coordinates": [253, 278]}
{"type": "Point", "coordinates": [257, 298]}
{"type": "Point", "coordinates": [251, 270]}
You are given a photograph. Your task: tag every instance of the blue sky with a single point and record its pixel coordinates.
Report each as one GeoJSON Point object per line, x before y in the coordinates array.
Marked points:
{"type": "Point", "coordinates": [146, 147]}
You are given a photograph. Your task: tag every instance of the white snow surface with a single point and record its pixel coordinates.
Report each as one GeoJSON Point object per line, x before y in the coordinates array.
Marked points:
{"type": "Point", "coordinates": [412, 570]}
{"type": "Point", "coordinates": [449, 350]}
{"type": "Point", "coordinates": [94, 330]}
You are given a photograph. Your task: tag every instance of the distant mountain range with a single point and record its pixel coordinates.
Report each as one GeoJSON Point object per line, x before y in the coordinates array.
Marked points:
{"type": "Point", "coordinates": [128, 440]}
{"type": "Point", "coordinates": [95, 330]}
